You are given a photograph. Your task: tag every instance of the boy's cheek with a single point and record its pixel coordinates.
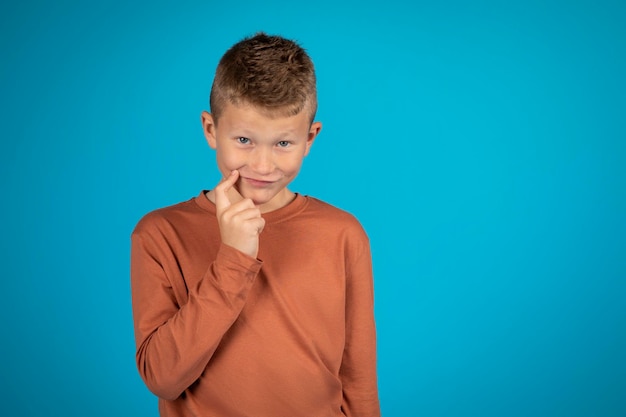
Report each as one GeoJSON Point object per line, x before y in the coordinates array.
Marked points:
{"type": "Point", "coordinates": [294, 167]}
{"type": "Point", "coordinates": [227, 163]}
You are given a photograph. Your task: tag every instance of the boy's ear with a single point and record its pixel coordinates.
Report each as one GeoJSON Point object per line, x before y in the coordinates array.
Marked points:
{"type": "Point", "coordinates": [313, 132]}
{"type": "Point", "coordinates": [208, 127]}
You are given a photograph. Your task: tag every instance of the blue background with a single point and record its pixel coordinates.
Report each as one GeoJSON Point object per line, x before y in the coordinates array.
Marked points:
{"type": "Point", "coordinates": [481, 144]}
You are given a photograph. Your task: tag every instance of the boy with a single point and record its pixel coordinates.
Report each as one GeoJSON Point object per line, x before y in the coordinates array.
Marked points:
{"type": "Point", "coordinates": [249, 299]}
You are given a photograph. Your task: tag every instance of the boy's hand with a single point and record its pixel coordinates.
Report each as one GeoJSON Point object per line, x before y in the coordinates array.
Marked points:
{"type": "Point", "coordinates": [241, 222]}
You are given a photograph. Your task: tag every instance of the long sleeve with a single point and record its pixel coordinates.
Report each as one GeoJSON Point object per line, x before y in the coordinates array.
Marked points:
{"type": "Point", "coordinates": [176, 341]}
{"type": "Point", "coordinates": [220, 333]}
{"type": "Point", "coordinates": [358, 367]}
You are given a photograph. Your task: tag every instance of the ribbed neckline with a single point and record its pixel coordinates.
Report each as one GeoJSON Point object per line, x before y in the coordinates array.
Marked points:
{"type": "Point", "coordinates": [294, 207]}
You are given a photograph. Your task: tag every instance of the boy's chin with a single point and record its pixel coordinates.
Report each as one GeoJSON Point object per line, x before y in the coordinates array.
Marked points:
{"type": "Point", "coordinates": [267, 199]}
{"type": "Point", "coordinates": [258, 197]}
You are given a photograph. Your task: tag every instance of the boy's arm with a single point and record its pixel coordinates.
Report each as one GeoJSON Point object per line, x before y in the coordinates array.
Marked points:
{"type": "Point", "coordinates": [358, 368]}
{"type": "Point", "coordinates": [175, 343]}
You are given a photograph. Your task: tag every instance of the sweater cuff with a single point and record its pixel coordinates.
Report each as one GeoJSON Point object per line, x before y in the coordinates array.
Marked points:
{"type": "Point", "coordinates": [234, 269]}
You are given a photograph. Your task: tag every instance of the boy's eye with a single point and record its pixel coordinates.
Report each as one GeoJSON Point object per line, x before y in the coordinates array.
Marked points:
{"type": "Point", "coordinates": [283, 143]}
{"type": "Point", "coordinates": [243, 140]}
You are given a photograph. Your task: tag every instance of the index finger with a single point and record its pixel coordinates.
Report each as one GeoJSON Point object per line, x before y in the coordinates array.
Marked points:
{"type": "Point", "coordinates": [222, 202]}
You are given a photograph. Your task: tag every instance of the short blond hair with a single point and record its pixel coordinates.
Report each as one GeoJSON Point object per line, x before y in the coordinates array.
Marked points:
{"type": "Point", "coordinates": [271, 73]}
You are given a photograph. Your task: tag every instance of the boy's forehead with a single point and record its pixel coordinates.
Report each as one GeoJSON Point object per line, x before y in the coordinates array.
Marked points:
{"type": "Point", "coordinates": [249, 116]}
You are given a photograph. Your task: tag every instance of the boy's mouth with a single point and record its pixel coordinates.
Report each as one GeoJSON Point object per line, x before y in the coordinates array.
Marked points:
{"type": "Point", "coordinates": [257, 183]}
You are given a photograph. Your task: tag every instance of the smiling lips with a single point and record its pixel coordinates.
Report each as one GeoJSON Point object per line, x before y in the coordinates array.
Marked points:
{"type": "Point", "coordinates": [258, 183]}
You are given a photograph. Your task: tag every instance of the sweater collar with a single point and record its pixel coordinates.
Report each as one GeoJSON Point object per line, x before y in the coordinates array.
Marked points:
{"type": "Point", "coordinates": [294, 207]}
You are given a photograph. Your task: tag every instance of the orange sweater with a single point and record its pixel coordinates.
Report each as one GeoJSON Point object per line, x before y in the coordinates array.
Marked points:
{"type": "Point", "coordinates": [290, 334]}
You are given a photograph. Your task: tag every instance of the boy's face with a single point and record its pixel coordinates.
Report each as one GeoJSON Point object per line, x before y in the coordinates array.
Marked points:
{"type": "Point", "coordinates": [267, 152]}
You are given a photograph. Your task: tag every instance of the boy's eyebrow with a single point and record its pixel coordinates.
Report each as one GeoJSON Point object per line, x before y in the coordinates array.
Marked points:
{"type": "Point", "coordinates": [244, 131]}
{"type": "Point", "coordinates": [285, 134]}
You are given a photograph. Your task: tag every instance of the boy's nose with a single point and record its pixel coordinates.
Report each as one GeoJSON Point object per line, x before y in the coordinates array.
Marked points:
{"type": "Point", "coordinates": [261, 161]}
